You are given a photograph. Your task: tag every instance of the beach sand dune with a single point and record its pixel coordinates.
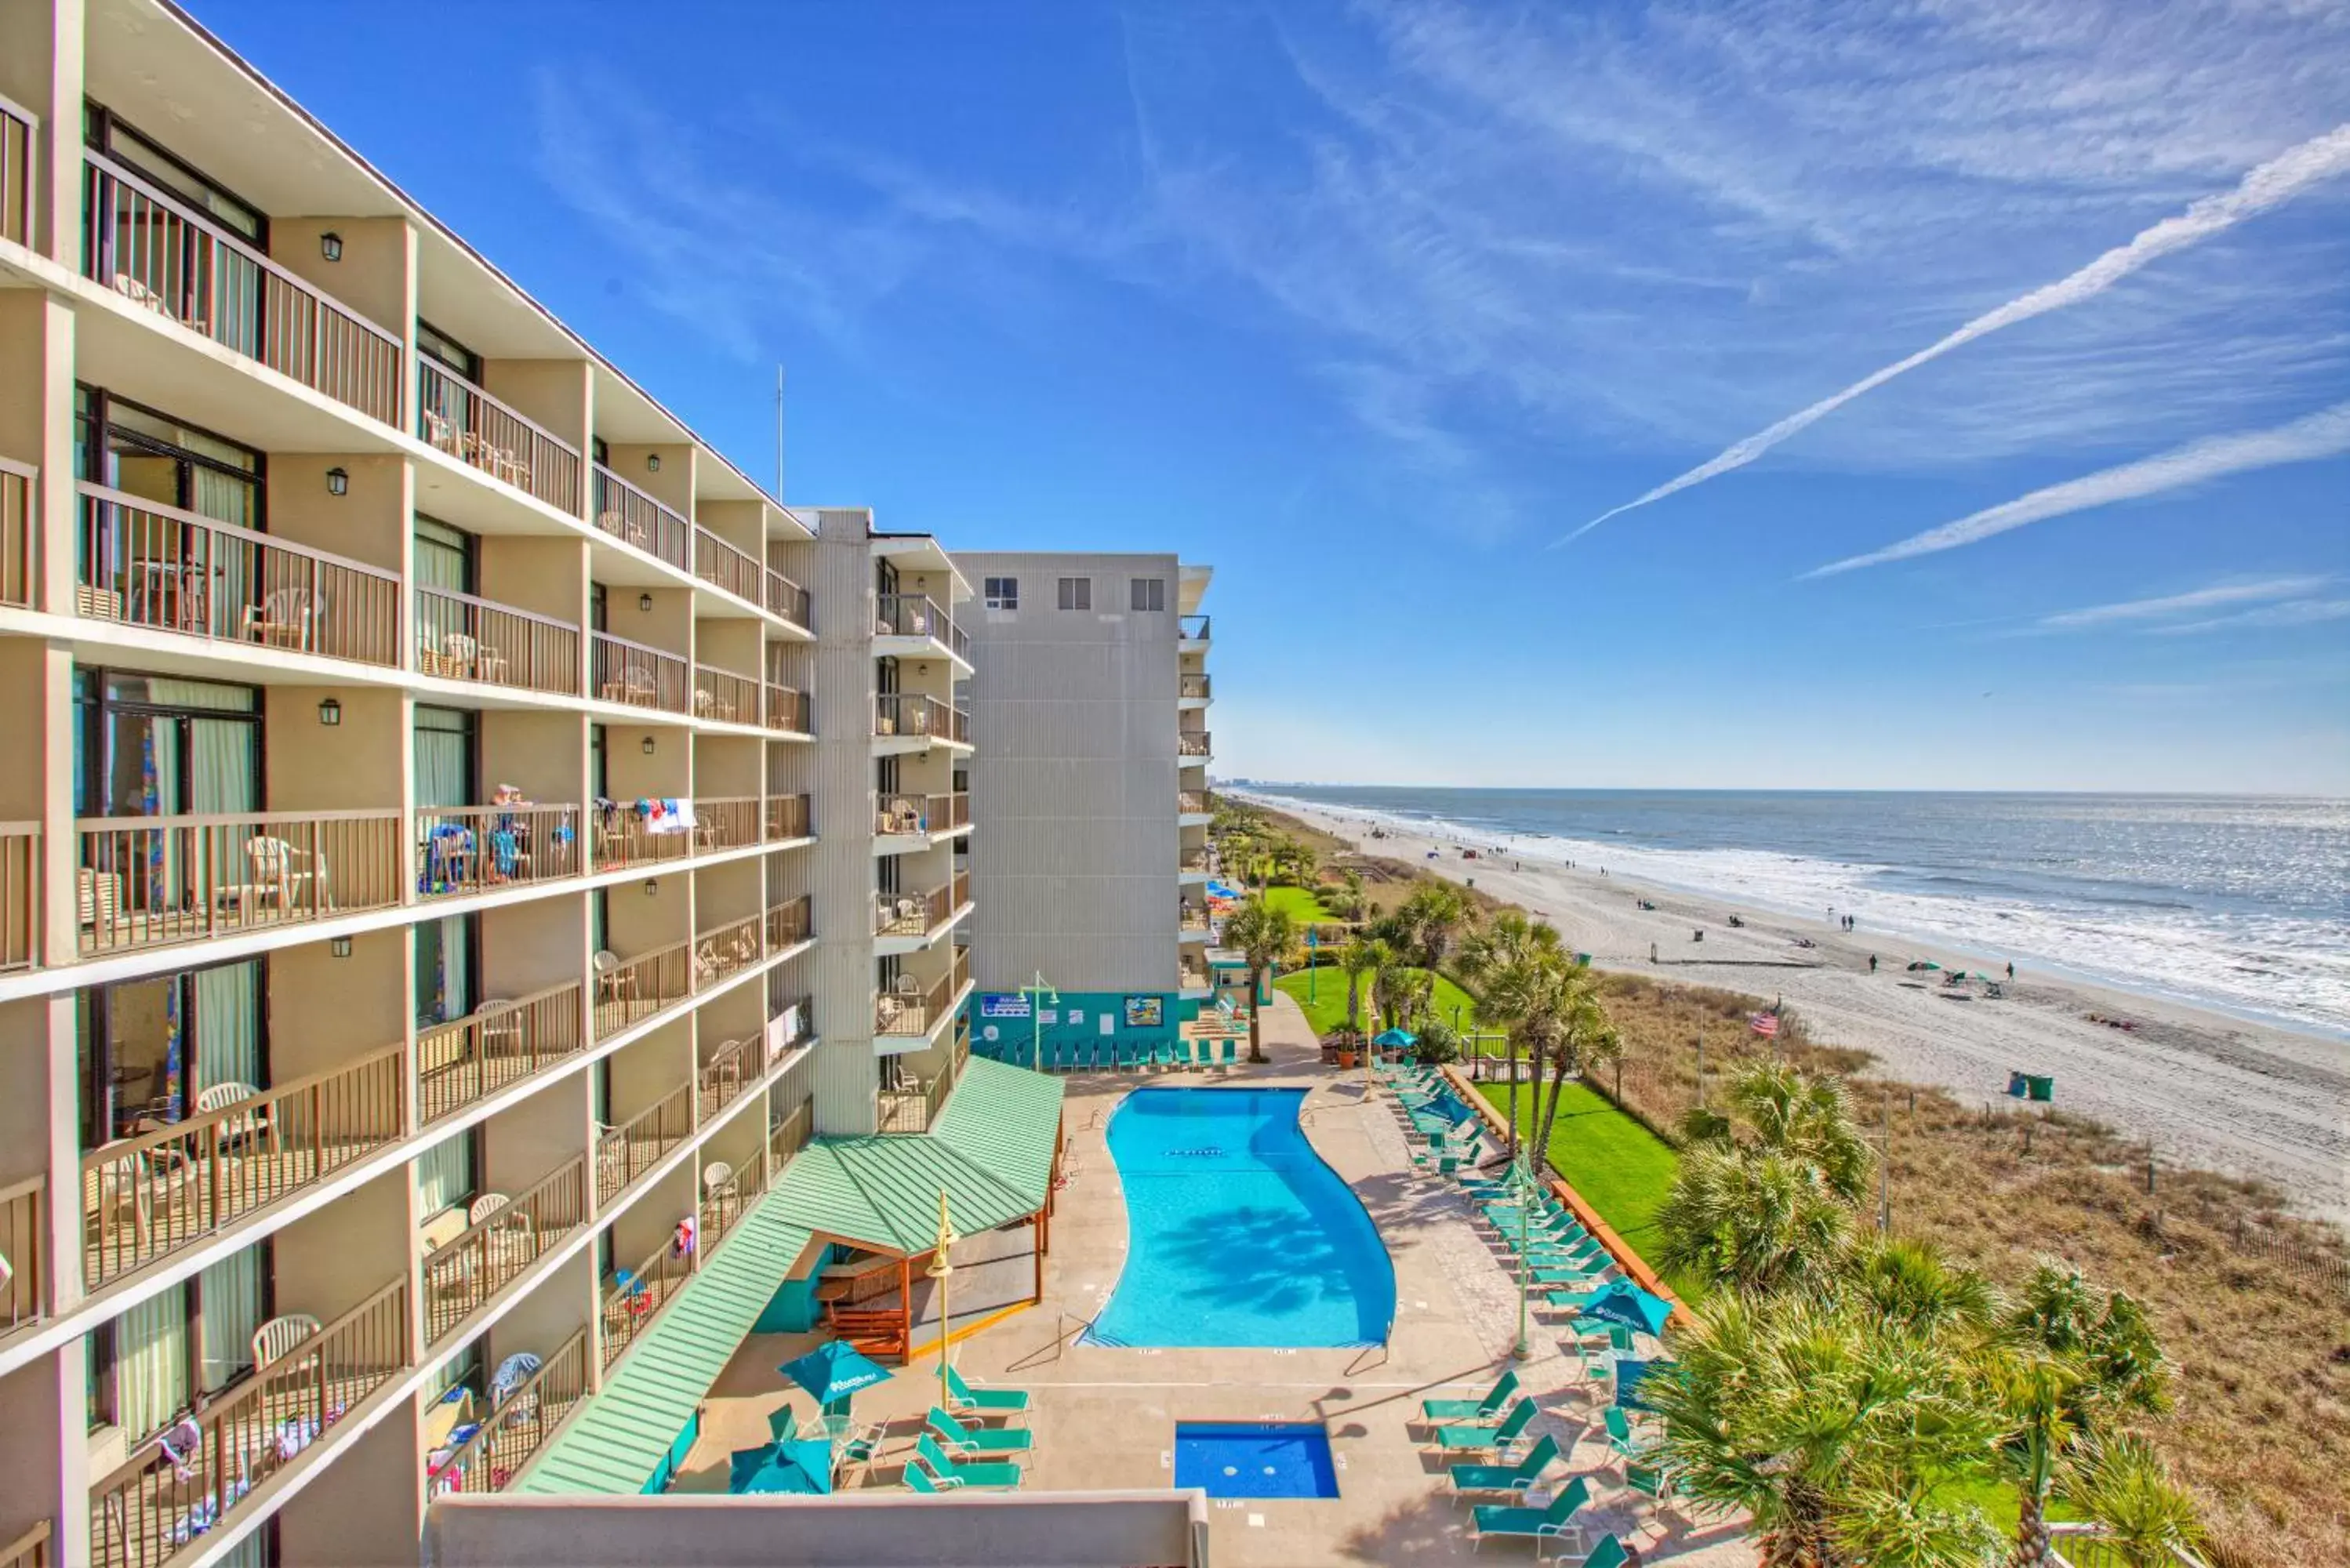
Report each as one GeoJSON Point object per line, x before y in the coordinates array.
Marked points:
{"type": "Point", "coordinates": [2208, 1090]}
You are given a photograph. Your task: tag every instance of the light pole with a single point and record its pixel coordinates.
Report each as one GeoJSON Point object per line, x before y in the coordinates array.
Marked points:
{"type": "Point", "coordinates": [1522, 1177]}
{"type": "Point", "coordinates": [1038, 992]}
{"type": "Point", "coordinates": [942, 1269]}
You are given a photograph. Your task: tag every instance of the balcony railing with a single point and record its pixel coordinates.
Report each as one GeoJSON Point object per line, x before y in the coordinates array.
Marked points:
{"type": "Point", "coordinates": [24, 1242]}
{"type": "Point", "coordinates": [787, 817]}
{"type": "Point", "coordinates": [156, 253]}
{"type": "Point", "coordinates": [728, 949]}
{"type": "Point", "coordinates": [626, 1152]}
{"type": "Point", "coordinates": [1193, 977]}
{"type": "Point", "coordinates": [787, 710]}
{"type": "Point", "coordinates": [722, 566]}
{"type": "Point", "coordinates": [1192, 743]}
{"type": "Point", "coordinates": [470, 849]}
{"type": "Point", "coordinates": [1194, 627]}
{"type": "Point", "coordinates": [725, 1200]}
{"type": "Point", "coordinates": [723, 695]}
{"type": "Point", "coordinates": [910, 713]}
{"type": "Point", "coordinates": [911, 1009]}
{"type": "Point", "coordinates": [631, 517]}
{"type": "Point", "coordinates": [632, 989]}
{"type": "Point", "coordinates": [499, 1043]}
{"type": "Point", "coordinates": [901, 815]}
{"type": "Point", "coordinates": [147, 1197]}
{"type": "Point", "coordinates": [914, 1107]}
{"type": "Point", "coordinates": [624, 838]}
{"type": "Point", "coordinates": [159, 567]}
{"type": "Point", "coordinates": [18, 560]}
{"type": "Point", "coordinates": [787, 599]}
{"type": "Point", "coordinates": [641, 677]}
{"type": "Point", "coordinates": [913, 615]}
{"type": "Point", "coordinates": [1191, 918]}
{"type": "Point", "coordinates": [471, 426]}
{"type": "Point", "coordinates": [1192, 686]}
{"type": "Point", "coordinates": [517, 1426]}
{"type": "Point", "coordinates": [147, 1511]}
{"type": "Point", "coordinates": [906, 914]}
{"type": "Point", "coordinates": [731, 1069]}
{"type": "Point", "coordinates": [727, 823]}
{"type": "Point", "coordinates": [790, 923]}
{"type": "Point", "coordinates": [145, 881]}
{"type": "Point", "coordinates": [1192, 802]}
{"type": "Point", "coordinates": [461, 638]}
{"type": "Point", "coordinates": [1195, 860]}
{"type": "Point", "coordinates": [30, 1549]}
{"type": "Point", "coordinates": [635, 1297]}
{"type": "Point", "coordinates": [18, 135]}
{"type": "Point", "coordinates": [486, 1257]}
{"type": "Point", "coordinates": [20, 895]}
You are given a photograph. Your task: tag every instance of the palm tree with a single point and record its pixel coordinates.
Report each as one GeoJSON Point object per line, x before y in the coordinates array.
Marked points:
{"type": "Point", "coordinates": [1498, 962]}
{"type": "Point", "coordinates": [1773, 1105]}
{"type": "Point", "coordinates": [1562, 1025]}
{"type": "Point", "coordinates": [2122, 1483]}
{"type": "Point", "coordinates": [1754, 1220]}
{"type": "Point", "coordinates": [1263, 936]}
{"type": "Point", "coordinates": [1429, 917]}
{"type": "Point", "coordinates": [1832, 1425]}
{"type": "Point", "coordinates": [1358, 958]}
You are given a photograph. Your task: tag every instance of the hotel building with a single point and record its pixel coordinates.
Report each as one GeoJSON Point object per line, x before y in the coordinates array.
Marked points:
{"type": "Point", "coordinates": [463, 845]}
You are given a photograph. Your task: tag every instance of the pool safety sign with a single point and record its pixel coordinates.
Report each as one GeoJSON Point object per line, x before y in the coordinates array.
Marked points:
{"type": "Point", "coordinates": [1013, 1006]}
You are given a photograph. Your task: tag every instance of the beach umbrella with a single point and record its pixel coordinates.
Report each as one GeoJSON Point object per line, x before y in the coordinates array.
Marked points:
{"type": "Point", "coordinates": [1923, 964]}
{"type": "Point", "coordinates": [832, 1372]}
{"type": "Point", "coordinates": [1627, 1303]}
{"type": "Point", "coordinates": [1397, 1039]}
{"type": "Point", "coordinates": [801, 1468]}
{"type": "Point", "coordinates": [1630, 1375]}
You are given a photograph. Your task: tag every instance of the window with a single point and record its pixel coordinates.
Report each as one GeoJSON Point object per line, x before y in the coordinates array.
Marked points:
{"type": "Point", "coordinates": [158, 458]}
{"type": "Point", "coordinates": [1149, 592]}
{"type": "Point", "coordinates": [1076, 593]}
{"type": "Point", "coordinates": [1001, 593]}
{"type": "Point", "coordinates": [448, 752]}
{"type": "Point", "coordinates": [445, 559]}
{"type": "Point", "coordinates": [182, 180]}
{"type": "Point", "coordinates": [435, 344]}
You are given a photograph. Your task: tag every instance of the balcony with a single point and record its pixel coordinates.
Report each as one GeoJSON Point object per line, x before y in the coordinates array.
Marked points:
{"type": "Point", "coordinates": [459, 418]}
{"type": "Point", "coordinates": [1192, 925]}
{"type": "Point", "coordinates": [147, 1197]}
{"type": "Point", "coordinates": [787, 817]}
{"type": "Point", "coordinates": [468, 1059]}
{"type": "Point", "coordinates": [914, 1107]}
{"type": "Point", "coordinates": [727, 1194]}
{"type": "Point", "coordinates": [479, 1261]}
{"type": "Point", "coordinates": [733, 1067]}
{"type": "Point", "coordinates": [640, 677]}
{"type": "Point", "coordinates": [18, 532]}
{"type": "Point", "coordinates": [624, 838]}
{"type": "Point", "coordinates": [900, 715]}
{"type": "Point", "coordinates": [461, 638]}
{"type": "Point", "coordinates": [150, 881]}
{"type": "Point", "coordinates": [626, 1152]}
{"type": "Point", "coordinates": [1193, 743]}
{"type": "Point", "coordinates": [916, 618]}
{"type": "Point", "coordinates": [911, 1012]}
{"type": "Point", "coordinates": [148, 1511]}
{"type": "Point", "coordinates": [1192, 975]}
{"type": "Point", "coordinates": [786, 711]}
{"type": "Point", "coordinates": [722, 566]}
{"type": "Point", "coordinates": [23, 1243]}
{"type": "Point", "coordinates": [17, 139]}
{"type": "Point", "coordinates": [724, 696]}
{"type": "Point", "coordinates": [1193, 807]}
{"type": "Point", "coordinates": [157, 254]}
{"type": "Point", "coordinates": [908, 921]}
{"type": "Point", "coordinates": [30, 1549]}
{"type": "Point", "coordinates": [1192, 691]}
{"type": "Point", "coordinates": [631, 517]}
{"type": "Point", "coordinates": [162, 569]}
{"type": "Point", "coordinates": [636, 1296]}
{"type": "Point", "coordinates": [20, 895]}
{"type": "Point", "coordinates": [920, 816]}
{"type": "Point", "coordinates": [1193, 866]}
{"type": "Point", "coordinates": [728, 822]}
{"type": "Point", "coordinates": [787, 598]}
{"type": "Point", "coordinates": [465, 850]}
{"type": "Point", "coordinates": [518, 1427]}
{"type": "Point", "coordinates": [1192, 633]}
{"type": "Point", "coordinates": [630, 991]}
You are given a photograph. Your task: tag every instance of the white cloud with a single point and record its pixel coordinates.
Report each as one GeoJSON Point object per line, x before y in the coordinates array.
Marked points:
{"type": "Point", "coordinates": [2178, 604]}
{"type": "Point", "coordinates": [2299, 612]}
{"type": "Point", "coordinates": [2325, 433]}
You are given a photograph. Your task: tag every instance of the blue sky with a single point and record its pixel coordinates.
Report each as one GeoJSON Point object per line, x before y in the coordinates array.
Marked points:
{"type": "Point", "coordinates": [1372, 306]}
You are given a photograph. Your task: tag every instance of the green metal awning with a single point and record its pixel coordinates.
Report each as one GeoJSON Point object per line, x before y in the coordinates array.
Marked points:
{"type": "Point", "coordinates": [992, 1152]}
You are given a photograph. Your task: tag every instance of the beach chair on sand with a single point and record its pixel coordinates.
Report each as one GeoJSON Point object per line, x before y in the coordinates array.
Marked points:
{"type": "Point", "coordinates": [1436, 1412]}
{"type": "Point", "coordinates": [1475, 1437]}
{"type": "Point", "coordinates": [1511, 1478]}
{"type": "Point", "coordinates": [1540, 1524]}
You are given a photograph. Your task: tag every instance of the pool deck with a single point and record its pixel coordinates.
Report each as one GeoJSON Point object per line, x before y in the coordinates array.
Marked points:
{"type": "Point", "coordinates": [1105, 1418]}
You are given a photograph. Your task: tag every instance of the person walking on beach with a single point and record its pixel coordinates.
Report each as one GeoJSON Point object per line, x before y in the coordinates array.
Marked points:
{"type": "Point", "coordinates": [2010, 972]}
{"type": "Point", "coordinates": [1872, 963]}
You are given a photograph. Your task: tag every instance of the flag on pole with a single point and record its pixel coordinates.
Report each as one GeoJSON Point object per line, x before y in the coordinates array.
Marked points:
{"type": "Point", "coordinates": [1764, 1023]}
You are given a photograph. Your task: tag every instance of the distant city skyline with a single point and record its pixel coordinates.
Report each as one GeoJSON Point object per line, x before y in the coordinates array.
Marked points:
{"type": "Point", "coordinates": [1632, 395]}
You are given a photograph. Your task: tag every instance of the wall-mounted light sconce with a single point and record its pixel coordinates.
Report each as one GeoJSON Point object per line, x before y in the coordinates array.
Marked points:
{"type": "Point", "coordinates": [339, 482]}
{"type": "Point", "coordinates": [647, 746]}
{"type": "Point", "coordinates": [651, 888]}
{"type": "Point", "coordinates": [645, 603]}
{"type": "Point", "coordinates": [340, 947]}
{"type": "Point", "coordinates": [330, 245]}
{"type": "Point", "coordinates": [330, 712]}
{"type": "Point", "coordinates": [653, 462]}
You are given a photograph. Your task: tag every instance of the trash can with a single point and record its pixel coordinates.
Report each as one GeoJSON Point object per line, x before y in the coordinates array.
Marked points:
{"type": "Point", "coordinates": [2042, 1088]}
{"type": "Point", "coordinates": [2016, 1086]}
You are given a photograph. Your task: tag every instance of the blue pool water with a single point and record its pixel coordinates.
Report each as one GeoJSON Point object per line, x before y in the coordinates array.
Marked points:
{"type": "Point", "coordinates": [1237, 1234]}
{"type": "Point", "coordinates": [1253, 1458]}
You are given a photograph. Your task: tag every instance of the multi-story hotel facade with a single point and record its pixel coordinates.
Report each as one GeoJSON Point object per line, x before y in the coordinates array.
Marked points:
{"type": "Point", "coordinates": [460, 837]}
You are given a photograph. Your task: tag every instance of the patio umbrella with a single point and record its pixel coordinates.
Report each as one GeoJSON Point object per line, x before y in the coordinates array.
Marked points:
{"type": "Point", "coordinates": [1627, 1303]}
{"type": "Point", "coordinates": [832, 1372]}
{"type": "Point", "coordinates": [801, 1468]}
{"type": "Point", "coordinates": [1396, 1039]}
{"type": "Point", "coordinates": [1923, 964]}
{"type": "Point", "coordinates": [1630, 1375]}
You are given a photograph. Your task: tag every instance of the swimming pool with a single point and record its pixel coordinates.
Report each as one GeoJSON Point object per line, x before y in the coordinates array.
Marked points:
{"type": "Point", "coordinates": [1253, 1458]}
{"type": "Point", "coordinates": [1237, 1234]}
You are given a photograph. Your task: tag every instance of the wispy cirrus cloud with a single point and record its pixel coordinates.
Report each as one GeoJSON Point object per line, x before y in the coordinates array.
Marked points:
{"type": "Point", "coordinates": [2323, 434]}
{"type": "Point", "coordinates": [2167, 605]}
{"type": "Point", "coordinates": [2298, 612]}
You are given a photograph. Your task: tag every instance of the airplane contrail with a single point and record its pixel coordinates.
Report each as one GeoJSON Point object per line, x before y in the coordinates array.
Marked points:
{"type": "Point", "coordinates": [2325, 433]}
{"type": "Point", "coordinates": [2275, 182]}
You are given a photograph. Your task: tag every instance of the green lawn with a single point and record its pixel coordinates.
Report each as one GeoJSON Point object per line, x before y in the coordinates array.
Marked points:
{"type": "Point", "coordinates": [1302, 906]}
{"type": "Point", "coordinates": [1619, 1167]}
{"type": "Point", "coordinates": [1327, 1010]}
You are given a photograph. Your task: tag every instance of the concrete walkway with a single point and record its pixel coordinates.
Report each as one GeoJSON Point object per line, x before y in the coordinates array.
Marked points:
{"type": "Point", "coordinates": [1106, 1418]}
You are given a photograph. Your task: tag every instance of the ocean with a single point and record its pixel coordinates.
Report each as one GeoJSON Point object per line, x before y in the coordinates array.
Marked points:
{"type": "Point", "coordinates": [2241, 903]}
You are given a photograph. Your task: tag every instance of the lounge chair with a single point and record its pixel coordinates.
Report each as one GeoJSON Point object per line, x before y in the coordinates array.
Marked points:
{"type": "Point", "coordinates": [1473, 1438]}
{"type": "Point", "coordinates": [1655, 1484]}
{"type": "Point", "coordinates": [951, 1472]}
{"type": "Point", "coordinates": [1436, 1412]}
{"type": "Point", "coordinates": [1574, 1302]}
{"type": "Point", "coordinates": [964, 1397]}
{"type": "Point", "coordinates": [1541, 1524]}
{"type": "Point", "coordinates": [961, 1441]}
{"type": "Point", "coordinates": [1619, 1433]}
{"type": "Point", "coordinates": [1511, 1478]}
{"type": "Point", "coordinates": [1231, 1050]}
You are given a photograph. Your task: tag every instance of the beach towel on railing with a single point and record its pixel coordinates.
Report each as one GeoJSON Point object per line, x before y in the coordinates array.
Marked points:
{"type": "Point", "coordinates": [667, 815]}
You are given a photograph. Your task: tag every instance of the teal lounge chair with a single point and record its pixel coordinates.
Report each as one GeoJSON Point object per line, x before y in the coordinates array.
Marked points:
{"type": "Point", "coordinates": [970, 1401]}
{"type": "Point", "coordinates": [1511, 1478]}
{"type": "Point", "coordinates": [946, 1474]}
{"type": "Point", "coordinates": [1476, 1438]}
{"type": "Point", "coordinates": [1654, 1484]}
{"type": "Point", "coordinates": [961, 1441]}
{"type": "Point", "coordinates": [1541, 1524]}
{"type": "Point", "coordinates": [1497, 1398]}
{"type": "Point", "coordinates": [1165, 1053]}
{"type": "Point", "coordinates": [1574, 1302]}
{"type": "Point", "coordinates": [1231, 1052]}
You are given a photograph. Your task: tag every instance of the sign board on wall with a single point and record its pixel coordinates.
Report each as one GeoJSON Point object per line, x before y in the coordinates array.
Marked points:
{"type": "Point", "coordinates": [1013, 1006]}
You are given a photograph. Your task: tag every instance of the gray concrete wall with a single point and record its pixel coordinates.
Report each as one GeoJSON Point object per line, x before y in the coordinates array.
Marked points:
{"type": "Point", "coordinates": [1073, 835]}
{"type": "Point", "coordinates": [840, 773]}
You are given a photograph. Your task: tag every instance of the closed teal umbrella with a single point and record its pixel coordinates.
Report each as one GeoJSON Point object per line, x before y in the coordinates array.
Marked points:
{"type": "Point", "coordinates": [1627, 1303]}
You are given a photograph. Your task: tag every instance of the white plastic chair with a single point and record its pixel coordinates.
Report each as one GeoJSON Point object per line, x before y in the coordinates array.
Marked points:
{"type": "Point", "coordinates": [281, 1336]}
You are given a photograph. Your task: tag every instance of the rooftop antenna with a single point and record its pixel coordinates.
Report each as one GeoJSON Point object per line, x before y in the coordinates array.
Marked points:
{"type": "Point", "coordinates": [779, 432]}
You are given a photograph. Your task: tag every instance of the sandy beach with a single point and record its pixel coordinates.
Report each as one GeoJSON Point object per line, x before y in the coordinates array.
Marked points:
{"type": "Point", "coordinates": [2208, 1090]}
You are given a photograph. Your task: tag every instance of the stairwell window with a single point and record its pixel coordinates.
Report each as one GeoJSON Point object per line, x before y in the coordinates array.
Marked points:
{"type": "Point", "coordinates": [1076, 593]}
{"type": "Point", "coordinates": [1000, 593]}
{"type": "Point", "coordinates": [1149, 592]}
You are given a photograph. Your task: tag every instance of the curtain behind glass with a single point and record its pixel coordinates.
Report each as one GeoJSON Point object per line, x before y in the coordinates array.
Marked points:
{"type": "Point", "coordinates": [443, 757]}
{"type": "Point", "coordinates": [444, 1173]}
{"type": "Point", "coordinates": [230, 1292]}
{"type": "Point", "coordinates": [228, 1025]}
{"type": "Point", "coordinates": [444, 981]}
{"type": "Point", "coordinates": [150, 1364]}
